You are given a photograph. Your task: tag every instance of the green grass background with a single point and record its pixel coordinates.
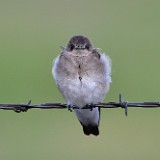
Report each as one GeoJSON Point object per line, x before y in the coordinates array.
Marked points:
{"type": "Point", "coordinates": [31, 32]}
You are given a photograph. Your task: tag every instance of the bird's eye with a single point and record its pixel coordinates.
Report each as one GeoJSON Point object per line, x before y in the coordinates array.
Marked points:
{"type": "Point", "coordinates": [87, 46]}
{"type": "Point", "coordinates": [71, 47]}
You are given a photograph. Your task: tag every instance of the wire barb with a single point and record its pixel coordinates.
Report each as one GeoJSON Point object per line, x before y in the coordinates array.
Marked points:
{"type": "Point", "coordinates": [121, 104]}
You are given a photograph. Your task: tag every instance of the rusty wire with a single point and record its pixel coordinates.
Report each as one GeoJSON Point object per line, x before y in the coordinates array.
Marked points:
{"type": "Point", "coordinates": [121, 104]}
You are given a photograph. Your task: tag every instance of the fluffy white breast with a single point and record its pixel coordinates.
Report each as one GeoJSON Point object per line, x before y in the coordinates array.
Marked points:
{"type": "Point", "coordinates": [90, 89]}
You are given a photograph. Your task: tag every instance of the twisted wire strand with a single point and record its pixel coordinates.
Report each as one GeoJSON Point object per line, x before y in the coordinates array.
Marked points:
{"type": "Point", "coordinates": [121, 104]}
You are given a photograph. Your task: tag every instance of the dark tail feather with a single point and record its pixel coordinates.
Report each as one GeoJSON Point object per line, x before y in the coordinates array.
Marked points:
{"type": "Point", "coordinates": [90, 129]}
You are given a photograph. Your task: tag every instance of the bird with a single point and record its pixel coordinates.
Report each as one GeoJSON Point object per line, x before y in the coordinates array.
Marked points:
{"type": "Point", "coordinates": [83, 76]}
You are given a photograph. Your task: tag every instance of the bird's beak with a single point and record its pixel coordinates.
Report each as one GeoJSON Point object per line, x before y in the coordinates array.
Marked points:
{"type": "Point", "coordinates": [80, 47]}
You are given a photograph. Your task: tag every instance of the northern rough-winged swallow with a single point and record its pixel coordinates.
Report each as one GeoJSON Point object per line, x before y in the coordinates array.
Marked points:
{"type": "Point", "coordinates": [83, 76]}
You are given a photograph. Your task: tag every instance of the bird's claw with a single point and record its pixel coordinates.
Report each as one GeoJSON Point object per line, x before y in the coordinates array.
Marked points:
{"type": "Point", "coordinates": [69, 107]}
{"type": "Point", "coordinates": [90, 106]}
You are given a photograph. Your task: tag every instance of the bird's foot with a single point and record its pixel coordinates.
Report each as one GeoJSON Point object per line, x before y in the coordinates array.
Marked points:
{"type": "Point", "coordinates": [90, 106]}
{"type": "Point", "coordinates": [69, 107]}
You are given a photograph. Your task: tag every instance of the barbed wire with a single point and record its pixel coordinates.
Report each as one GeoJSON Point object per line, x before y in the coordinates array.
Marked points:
{"type": "Point", "coordinates": [121, 104]}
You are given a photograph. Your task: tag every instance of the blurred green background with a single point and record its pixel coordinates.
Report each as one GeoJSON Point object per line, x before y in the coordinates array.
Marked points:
{"type": "Point", "coordinates": [31, 32]}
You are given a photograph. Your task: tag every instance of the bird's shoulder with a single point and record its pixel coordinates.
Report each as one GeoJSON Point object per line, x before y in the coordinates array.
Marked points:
{"type": "Point", "coordinates": [96, 53]}
{"type": "Point", "coordinates": [66, 59]}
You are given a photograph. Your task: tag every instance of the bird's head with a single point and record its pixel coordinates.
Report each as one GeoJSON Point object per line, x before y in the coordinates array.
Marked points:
{"type": "Point", "coordinates": [79, 44]}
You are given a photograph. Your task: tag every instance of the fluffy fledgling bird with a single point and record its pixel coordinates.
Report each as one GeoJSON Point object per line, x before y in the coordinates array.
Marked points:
{"type": "Point", "coordinates": [83, 76]}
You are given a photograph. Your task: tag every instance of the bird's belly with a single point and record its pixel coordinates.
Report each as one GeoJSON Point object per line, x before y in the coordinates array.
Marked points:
{"type": "Point", "coordinates": [86, 91]}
